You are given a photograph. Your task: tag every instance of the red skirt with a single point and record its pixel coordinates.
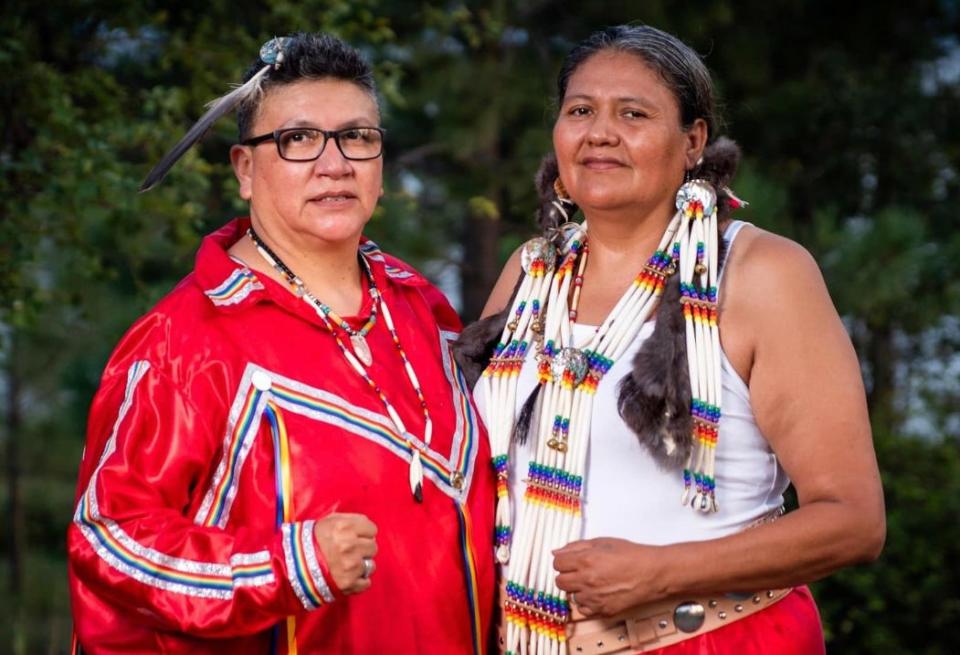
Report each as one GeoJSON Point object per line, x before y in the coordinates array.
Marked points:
{"type": "Point", "coordinates": [789, 627]}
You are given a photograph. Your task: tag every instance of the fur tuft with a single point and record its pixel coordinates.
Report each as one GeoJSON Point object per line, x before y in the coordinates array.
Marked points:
{"type": "Point", "coordinates": [474, 348]}
{"type": "Point", "coordinates": [720, 161]}
{"type": "Point", "coordinates": [521, 430]}
{"type": "Point", "coordinates": [654, 400]}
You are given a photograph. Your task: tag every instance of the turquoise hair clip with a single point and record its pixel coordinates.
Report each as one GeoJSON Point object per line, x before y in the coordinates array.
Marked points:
{"type": "Point", "coordinates": [271, 52]}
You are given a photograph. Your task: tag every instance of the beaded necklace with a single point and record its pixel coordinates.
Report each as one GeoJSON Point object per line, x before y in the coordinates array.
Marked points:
{"type": "Point", "coordinates": [549, 514]}
{"type": "Point", "coordinates": [355, 358]}
{"type": "Point", "coordinates": [357, 337]}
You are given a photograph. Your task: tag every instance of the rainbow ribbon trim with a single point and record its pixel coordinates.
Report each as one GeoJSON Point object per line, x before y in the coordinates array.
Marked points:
{"type": "Point", "coordinates": [470, 577]}
{"type": "Point", "coordinates": [331, 409]}
{"type": "Point", "coordinates": [151, 567]}
{"type": "Point", "coordinates": [372, 251]}
{"type": "Point", "coordinates": [238, 285]}
{"type": "Point", "coordinates": [241, 433]}
{"type": "Point", "coordinates": [303, 568]}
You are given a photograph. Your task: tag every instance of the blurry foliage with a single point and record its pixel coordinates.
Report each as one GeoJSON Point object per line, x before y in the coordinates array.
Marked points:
{"type": "Point", "coordinates": [906, 602]}
{"type": "Point", "coordinates": [848, 115]}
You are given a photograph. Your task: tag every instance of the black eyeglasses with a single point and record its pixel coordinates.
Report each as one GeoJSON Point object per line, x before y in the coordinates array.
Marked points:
{"type": "Point", "coordinates": [307, 143]}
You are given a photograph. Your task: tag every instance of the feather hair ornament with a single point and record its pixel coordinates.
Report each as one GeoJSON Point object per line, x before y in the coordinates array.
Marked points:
{"type": "Point", "coordinates": [271, 54]}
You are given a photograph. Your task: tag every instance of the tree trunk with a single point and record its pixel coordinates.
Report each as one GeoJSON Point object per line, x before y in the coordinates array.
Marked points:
{"type": "Point", "coordinates": [479, 270]}
{"type": "Point", "coordinates": [481, 233]}
{"type": "Point", "coordinates": [882, 358]}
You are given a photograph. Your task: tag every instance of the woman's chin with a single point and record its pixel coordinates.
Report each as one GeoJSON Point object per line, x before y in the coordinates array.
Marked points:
{"type": "Point", "coordinates": [606, 204]}
{"type": "Point", "coordinates": [335, 227]}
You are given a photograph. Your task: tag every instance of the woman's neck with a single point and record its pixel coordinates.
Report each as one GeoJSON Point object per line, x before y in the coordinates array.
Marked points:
{"type": "Point", "coordinates": [329, 270]}
{"type": "Point", "coordinates": [615, 240]}
{"type": "Point", "coordinates": [618, 250]}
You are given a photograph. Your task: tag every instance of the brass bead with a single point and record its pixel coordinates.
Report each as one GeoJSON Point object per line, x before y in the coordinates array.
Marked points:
{"type": "Point", "coordinates": [700, 269]}
{"type": "Point", "coordinates": [722, 615]}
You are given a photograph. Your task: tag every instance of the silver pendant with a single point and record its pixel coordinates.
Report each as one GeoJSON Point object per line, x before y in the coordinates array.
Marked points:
{"type": "Point", "coordinates": [540, 250]}
{"type": "Point", "coordinates": [361, 349]}
{"type": "Point", "coordinates": [570, 360]}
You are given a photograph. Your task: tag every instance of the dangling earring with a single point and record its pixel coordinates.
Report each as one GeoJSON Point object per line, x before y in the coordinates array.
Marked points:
{"type": "Point", "coordinates": [688, 174]}
{"type": "Point", "coordinates": [695, 197]}
{"type": "Point", "coordinates": [563, 203]}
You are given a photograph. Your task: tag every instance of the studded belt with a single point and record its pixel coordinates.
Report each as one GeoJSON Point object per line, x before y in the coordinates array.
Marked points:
{"type": "Point", "coordinates": [655, 625]}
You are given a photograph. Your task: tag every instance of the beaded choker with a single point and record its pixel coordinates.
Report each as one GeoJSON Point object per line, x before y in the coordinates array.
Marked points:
{"type": "Point", "coordinates": [549, 514]}
{"type": "Point", "coordinates": [361, 356]}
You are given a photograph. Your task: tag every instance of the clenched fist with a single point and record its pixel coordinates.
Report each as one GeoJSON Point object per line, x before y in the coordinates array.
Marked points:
{"type": "Point", "coordinates": [345, 541]}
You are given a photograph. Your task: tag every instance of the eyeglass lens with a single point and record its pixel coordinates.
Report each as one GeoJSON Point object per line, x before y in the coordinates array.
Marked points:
{"type": "Point", "coordinates": [307, 144]}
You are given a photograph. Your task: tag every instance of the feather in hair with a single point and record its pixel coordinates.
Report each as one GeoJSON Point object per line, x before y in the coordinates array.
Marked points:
{"type": "Point", "coordinates": [218, 108]}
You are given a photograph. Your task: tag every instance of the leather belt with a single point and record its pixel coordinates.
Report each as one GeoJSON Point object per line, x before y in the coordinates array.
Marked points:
{"type": "Point", "coordinates": [655, 625]}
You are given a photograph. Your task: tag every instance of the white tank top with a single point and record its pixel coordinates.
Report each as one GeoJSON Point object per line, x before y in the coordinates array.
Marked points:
{"type": "Point", "coordinates": [628, 495]}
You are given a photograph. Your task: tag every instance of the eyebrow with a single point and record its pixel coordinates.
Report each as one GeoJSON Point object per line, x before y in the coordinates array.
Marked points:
{"type": "Point", "coordinates": [636, 100]}
{"type": "Point", "coordinates": [353, 122]}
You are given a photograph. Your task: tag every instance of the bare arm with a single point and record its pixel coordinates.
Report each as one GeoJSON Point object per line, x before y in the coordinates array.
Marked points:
{"type": "Point", "coordinates": [808, 400]}
{"type": "Point", "coordinates": [503, 289]}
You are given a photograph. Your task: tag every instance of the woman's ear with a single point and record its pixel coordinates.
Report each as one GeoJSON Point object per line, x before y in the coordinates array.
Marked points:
{"type": "Point", "coordinates": [697, 135]}
{"type": "Point", "coordinates": [241, 157]}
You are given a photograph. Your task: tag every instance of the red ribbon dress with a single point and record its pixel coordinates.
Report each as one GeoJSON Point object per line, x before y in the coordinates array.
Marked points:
{"type": "Point", "coordinates": [227, 421]}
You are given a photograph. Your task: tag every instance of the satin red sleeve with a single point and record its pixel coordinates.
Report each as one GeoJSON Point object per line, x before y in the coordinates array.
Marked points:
{"type": "Point", "coordinates": [134, 546]}
{"type": "Point", "coordinates": [443, 312]}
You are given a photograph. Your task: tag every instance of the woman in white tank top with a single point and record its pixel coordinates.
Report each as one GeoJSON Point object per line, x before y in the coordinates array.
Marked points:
{"type": "Point", "coordinates": [654, 378]}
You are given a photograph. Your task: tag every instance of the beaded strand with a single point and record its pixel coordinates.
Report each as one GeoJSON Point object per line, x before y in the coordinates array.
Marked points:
{"type": "Point", "coordinates": [323, 313]}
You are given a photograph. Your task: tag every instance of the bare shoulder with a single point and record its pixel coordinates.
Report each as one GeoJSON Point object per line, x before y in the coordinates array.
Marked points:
{"type": "Point", "coordinates": [772, 290]}
{"type": "Point", "coordinates": [503, 289]}
{"type": "Point", "coordinates": [766, 269]}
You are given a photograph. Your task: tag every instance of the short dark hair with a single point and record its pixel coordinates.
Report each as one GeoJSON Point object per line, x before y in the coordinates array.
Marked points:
{"type": "Point", "coordinates": [307, 56]}
{"type": "Point", "coordinates": [676, 63]}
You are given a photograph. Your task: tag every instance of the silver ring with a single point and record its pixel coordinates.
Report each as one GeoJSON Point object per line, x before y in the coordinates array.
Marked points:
{"type": "Point", "coordinates": [573, 600]}
{"type": "Point", "coordinates": [367, 568]}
